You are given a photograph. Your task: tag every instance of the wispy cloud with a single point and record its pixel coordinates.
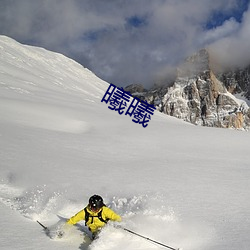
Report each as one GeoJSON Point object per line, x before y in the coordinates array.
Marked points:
{"type": "Point", "coordinates": [233, 49]}
{"type": "Point", "coordinates": [129, 41]}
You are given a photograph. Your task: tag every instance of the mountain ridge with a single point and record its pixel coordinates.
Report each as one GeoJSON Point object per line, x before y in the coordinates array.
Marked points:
{"type": "Point", "coordinates": [202, 96]}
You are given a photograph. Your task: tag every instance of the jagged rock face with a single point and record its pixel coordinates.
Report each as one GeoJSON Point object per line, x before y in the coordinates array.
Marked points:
{"type": "Point", "coordinates": [237, 81]}
{"type": "Point", "coordinates": [199, 97]}
{"type": "Point", "coordinates": [204, 102]}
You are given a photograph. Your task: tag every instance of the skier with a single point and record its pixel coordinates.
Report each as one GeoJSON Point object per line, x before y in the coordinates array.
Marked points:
{"type": "Point", "coordinates": [95, 214]}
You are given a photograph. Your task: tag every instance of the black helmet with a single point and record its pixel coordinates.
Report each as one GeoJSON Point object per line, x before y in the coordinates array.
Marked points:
{"type": "Point", "coordinates": [96, 202]}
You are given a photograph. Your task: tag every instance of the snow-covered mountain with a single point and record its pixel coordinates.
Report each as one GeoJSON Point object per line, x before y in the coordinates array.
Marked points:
{"type": "Point", "coordinates": [202, 96]}
{"type": "Point", "coordinates": [183, 185]}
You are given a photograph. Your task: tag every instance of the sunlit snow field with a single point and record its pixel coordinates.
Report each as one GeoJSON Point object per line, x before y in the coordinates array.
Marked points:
{"type": "Point", "coordinates": [182, 185]}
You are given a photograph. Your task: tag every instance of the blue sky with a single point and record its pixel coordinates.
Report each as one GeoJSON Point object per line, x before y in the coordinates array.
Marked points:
{"type": "Point", "coordinates": [131, 41]}
{"type": "Point", "coordinates": [218, 17]}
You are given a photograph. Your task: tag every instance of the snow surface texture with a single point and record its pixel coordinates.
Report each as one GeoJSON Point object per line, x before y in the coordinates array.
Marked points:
{"type": "Point", "coordinates": [179, 184]}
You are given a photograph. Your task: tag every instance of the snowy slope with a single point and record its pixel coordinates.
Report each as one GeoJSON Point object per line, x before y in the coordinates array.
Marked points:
{"type": "Point", "coordinates": [176, 183]}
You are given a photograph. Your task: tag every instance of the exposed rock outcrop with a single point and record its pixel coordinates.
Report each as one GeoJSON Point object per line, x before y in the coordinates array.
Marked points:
{"type": "Point", "coordinates": [201, 97]}
{"type": "Point", "coordinates": [237, 81]}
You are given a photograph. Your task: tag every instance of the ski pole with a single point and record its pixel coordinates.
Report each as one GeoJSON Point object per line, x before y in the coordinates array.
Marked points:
{"type": "Point", "coordinates": [146, 238]}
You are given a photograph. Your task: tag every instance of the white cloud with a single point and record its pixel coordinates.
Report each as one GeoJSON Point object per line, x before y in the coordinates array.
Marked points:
{"type": "Point", "coordinates": [233, 50]}
{"type": "Point", "coordinates": [228, 28]}
{"type": "Point", "coordinates": [97, 32]}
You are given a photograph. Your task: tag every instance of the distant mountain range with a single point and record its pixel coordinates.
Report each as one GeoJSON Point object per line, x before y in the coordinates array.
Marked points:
{"type": "Point", "coordinates": [203, 95]}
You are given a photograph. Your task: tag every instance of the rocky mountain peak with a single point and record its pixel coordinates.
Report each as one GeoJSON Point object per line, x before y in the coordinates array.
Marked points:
{"type": "Point", "coordinates": [196, 64]}
{"type": "Point", "coordinates": [201, 97]}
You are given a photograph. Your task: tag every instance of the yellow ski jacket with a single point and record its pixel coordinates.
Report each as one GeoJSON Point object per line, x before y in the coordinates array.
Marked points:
{"type": "Point", "coordinates": [94, 223]}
